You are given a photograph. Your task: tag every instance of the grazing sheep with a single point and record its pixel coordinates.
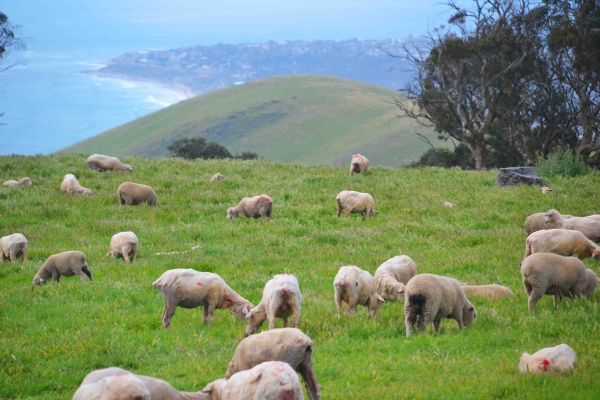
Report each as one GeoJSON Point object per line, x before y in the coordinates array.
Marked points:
{"type": "Point", "coordinates": [99, 162]}
{"type": "Point", "coordinates": [288, 345]}
{"type": "Point", "coordinates": [71, 185]}
{"type": "Point", "coordinates": [21, 182]}
{"type": "Point", "coordinates": [433, 297]}
{"type": "Point", "coordinates": [448, 204]}
{"type": "Point", "coordinates": [13, 246]}
{"type": "Point", "coordinates": [352, 202]}
{"type": "Point", "coordinates": [392, 276]}
{"type": "Point", "coordinates": [565, 242]}
{"type": "Point", "coordinates": [188, 288]}
{"type": "Point", "coordinates": [271, 380]}
{"type": "Point", "coordinates": [552, 274]}
{"type": "Point", "coordinates": [356, 287]}
{"type": "Point", "coordinates": [133, 194]}
{"type": "Point", "coordinates": [592, 282]}
{"type": "Point", "coordinates": [68, 263]}
{"type": "Point", "coordinates": [491, 292]}
{"type": "Point", "coordinates": [281, 298]}
{"type": "Point", "coordinates": [589, 226]}
{"type": "Point", "coordinates": [559, 359]}
{"type": "Point", "coordinates": [359, 164]}
{"type": "Point", "coordinates": [545, 189]}
{"type": "Point", "coordinates": [124, 386]}
{"type": "Point", "coordinates": [122, 244]}
{"type": "Point", "coordinates": [157, 389]}
{"type": "Point", "coordinates": [217, 177]}
{"type": "Point", "coordinates": [535, 222]}
{"type": "Point", "coordinates": [252, 207]}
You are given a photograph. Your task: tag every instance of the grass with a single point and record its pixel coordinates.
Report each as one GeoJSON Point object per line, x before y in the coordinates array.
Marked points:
{"type": "Point", "coordinates": [50, 338]}
{"type": "Point", "coordinates": [299, 118]}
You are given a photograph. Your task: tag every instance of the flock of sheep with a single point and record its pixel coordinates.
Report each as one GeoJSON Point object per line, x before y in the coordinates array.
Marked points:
{"type": "Point", "coordinates": [265, 365]}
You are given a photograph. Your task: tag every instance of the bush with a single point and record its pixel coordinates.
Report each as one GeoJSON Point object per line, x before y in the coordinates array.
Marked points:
{"type": "Point", "coordinates": [562, 162]}
{"type": "Point", "coordinates": [446, 158]}
{"type": "Point", "coordinates": [193, 148]}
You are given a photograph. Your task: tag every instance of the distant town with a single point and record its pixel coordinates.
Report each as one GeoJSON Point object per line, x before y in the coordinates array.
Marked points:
{"type": "Point", "coordinates": [200, 69]}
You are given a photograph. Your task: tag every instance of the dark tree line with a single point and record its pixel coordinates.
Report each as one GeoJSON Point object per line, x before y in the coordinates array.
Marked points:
{"type": "Point", "coordinates": [508, 80]}
{"type": "Point", "coordinates": [192, 148]}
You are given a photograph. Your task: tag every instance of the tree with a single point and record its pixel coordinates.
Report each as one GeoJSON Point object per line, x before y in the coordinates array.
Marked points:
{"type": "Point", "coordinates": [192, 148]}
{"type": "Point", "coordinates": [9, 40]}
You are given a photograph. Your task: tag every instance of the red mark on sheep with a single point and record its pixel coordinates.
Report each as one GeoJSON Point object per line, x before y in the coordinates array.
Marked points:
{"type": "Point", "coordinates": [287, 394]}
{"type": "Point", "coordinates": [121, 375]}
{"type": "Point", "coordinates": [199, 284]}
{"type": "Point", "coordinates": [544, 365]}
{"type": "Point", "coordinates": [279, 370]}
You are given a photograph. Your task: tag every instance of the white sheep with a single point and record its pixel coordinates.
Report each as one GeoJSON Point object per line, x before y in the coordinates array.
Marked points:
{"type": "Point", "coordinates": [565, 242]}
{"type": "Point", "coordinates": [271, 380]}
{"type": "Point", "coordinates": [491, 292]}
{"type": "Point", "coordinates": [25, 181]}
{"type": "Point", "coordinates": [352, 202]}
{"type": "Point", "coordinates": [356, 287]}
{"type": "Point", "coordinates": [68, 263]}
{"type": "Point", "coordinates": [13, 246]}
{"type": "Point", "coordinates": [392, 276]}
{"type": "Point", "coordinates": [132, 194]}
{"type": "Point", "coordinates": [359, 164]}
{"type": "Point", "coordinates": [288, 345]}
{"type": "Point", "coordinates": [281, 298]}
{"type": "Point", "coordinates": [252, 207]}
{"type": "Point", "coordinates": [188, 288]}
{"type": "Point", "coordinates": [217, 177]}
{"type": "Point", "coordinates": [123, 244]}
{"type": "Point", "coordinates": [432, 297]}
{"type": "Point", "coordinates": [535, 222]}
{"type": "Point", "coordinates": [99, 162]}
{"type": "Point", "coordinates": [560, 360]}
{"type": "Point", "coordinates": [71, 185]}
{"type": "Point", "coordinates": [545, 190]}
{"type": "Point", "coordinates": [589, 226]}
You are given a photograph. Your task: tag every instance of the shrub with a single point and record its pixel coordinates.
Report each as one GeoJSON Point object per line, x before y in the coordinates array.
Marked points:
{"type": "Point", "coordinates": [562, 161]}
{"type": "Point", "coordinates": [192, 148]}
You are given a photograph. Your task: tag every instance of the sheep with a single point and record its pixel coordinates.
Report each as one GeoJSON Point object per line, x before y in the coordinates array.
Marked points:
{"type": "Point", "coordinates": [217, 177]}
{"type": "Point", "coordinates": [491, 292]}
{"type": "Point", "coordinates": [288, 345]}
{"type": "Point", "coordinates": [433, 297]}
{"type": "Point", "coordinates": [553, 274]}
{"type": "Point", "coordinates": [448, 204]}
{"type": "Point", "coordinates": [252, 207]}
{"type": "Point", "coordinates": [352, 202]}
{"type": "Point", "coordinates": [281, 298]}
{"type": "Point", "coordinates": [99, 162]}
{"type": "Point", "coordinates": [589, 226]}
{"type": "Point", "coordinates": [565, 242]}
{"type": "Point", "coordinates": [188, 288]}
{"type": "Point", "coordinates": [71, 185]}
{"type": "Point", "coordinates": [68, 263]}
{"type": "Point", "coordinates": [13, 246]}
{"type": "Point", "coordinates": [356, 287]}
{"type": "Point", "coordinates": [392, 276]}
{"type": "Point", "coordinates": [359, 164]}
{"type": "Point", "coordinates": [157, 389]}
{"type": "Point", "coordinates": [545, 189]}
{"type": "Point", "coordinates": [592, 282]}
{"type": "Point", "coordinates": [25, 181]}
{"type": "Point", "coordinates": [122, 244]}
{"type": "Point", "coordinates": [535, 222]}
{"type": "Point", "coordinates": [559, 359]}
{"type": "Point", "coordinates": [271, 380]}
{"type": "Point", "coordinates": [133, 194]}
{"type": "Point", "coordinates": [124, 386]}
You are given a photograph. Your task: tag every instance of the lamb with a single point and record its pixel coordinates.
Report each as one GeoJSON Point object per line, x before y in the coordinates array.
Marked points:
{"type": "Point", "coordinates": [122, 245]}
{"type": "Point", "coordinates": [271, 380]}
{"type": "Point", "coordinates": [21, 182]}
{"type": "Point", "coordinates": [188, 288]}
{"type": "Point", "coordinates": [565, 242]}
{"type": "Point", "coordinates": [535, 222]}
{"type": "Point", "coordinates": [68, 263]}
{"type": "Point", "coordinates": [102, 379]}
{"type": "Point", "coordinates": [13, 246]}
{"type": "Point", "coordinates": [559, 359]}
{"type": "Point", "coordinates": [553, 274]}
{"type": "Point", "coordinates": [356, 287]}
{"type": "Point", "coordinates": [359, 164]}
{"type": "Point", "coordinates": [392, 276]}
{"type": "Point", "coordinates": [281, 298]}
{"type": "Point", "coordinates": [352, 202]}
{"type": "Point", "coordinates": [433, 297]}
{"type": "Point", "coordinates": [491, 292]}
{"type": "Point", "coordinates": [71, 185]}
{"type": "Point", "coordinates": [288, 345]}
{"type": "Point", "coordinates": [252, 207]}
{"type": "Point", "coordinates": [99, 162]}
{"type": "Point", "coordinates": [133, 194]}
{"type": "Point", "coordinates": [589, 226]}
{"type": "Point", "coordinates": [217, 177]}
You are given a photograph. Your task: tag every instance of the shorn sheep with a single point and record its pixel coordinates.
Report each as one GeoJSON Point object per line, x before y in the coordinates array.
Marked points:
{"type": "Point", "coordinates": [535, 222]}
{"type": "Point", "coordinates": [124, 244]}
{"type": "Point", "coordinates": [288, 345]}
{"type": "Point", "coordinates": [392, 276]}
{"type": "Point", "coordinates": [359, 164]}
{"type": "Point", "coordinates": [124, 386]}
{"type": "Point", "coordinates": [217, 177]}
{"type": "Point", "coordinates": [551, 360]}
{"type": "Point", "coordinates": [252, 207]}
{"type": "Point", "coordinates": [432, 297]}
{"type": "Point", "coordinates": [356, 287]}
{"type": "Point", "coordinates": [352, 202]}
{"type": "Point", "coordinates": [491, 292]}
{"type": "Point", "coordinates": [281, 298]}
{"type": "Point", "coordinates": [13, 246]}
{"type": "Point", "coordinates": [70, 185]}
{"type": "Point", "coordinates": [102, 163]}
{"type": "Point", "coordinates": [132, 194]}
{"type": "Point", "coordinates": [21, 182]}
{"type": "Point", "coordinates": [589, 226]}
{"type": "Point", "coordinates": [68, 263]}
{"type": "Point", "coordinates": [565, 242]}
{"type": "Point", "coordinates": [188, 288]}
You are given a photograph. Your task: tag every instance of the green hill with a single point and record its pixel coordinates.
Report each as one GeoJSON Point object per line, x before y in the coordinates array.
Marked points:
{"type": "Point", "coordinates": [299, 118]}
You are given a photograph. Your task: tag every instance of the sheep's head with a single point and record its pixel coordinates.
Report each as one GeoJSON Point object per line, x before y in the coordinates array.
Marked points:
{"type": "Point", "coordinates": [25, 181]}
{"type": "Point", "coordinates": [127, 167]}
{"type": "Point", "coordinates": [401, 290]}
{"type": "Point", "coordinates": [469, 313]}
{"type": "Point", "coordinates": [87, 192]}
{"type": "Point", "coordinates": [255, 320]}
{"type": "Point", "coordinates": [551, 216]}
{"type": "Point", "coordinates": [37, 280]}
{"type": "Point", "coordinates": [242, 310]}
{"type": "Point", "coordinates": [231, 213]}
{"type": "Point", "coordinates": [524, 362]}
{"type": "Point", "coordinates": [596, 255]}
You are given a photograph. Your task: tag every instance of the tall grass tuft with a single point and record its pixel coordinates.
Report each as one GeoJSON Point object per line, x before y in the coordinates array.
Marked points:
{"type": "Point", "coordinates": [562, 162]}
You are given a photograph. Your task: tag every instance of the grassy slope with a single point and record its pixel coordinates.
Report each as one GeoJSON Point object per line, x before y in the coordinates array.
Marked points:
{"type": "Point", "coordinates": [52, 337]}
{"type": "Point", "coordinates": [299, 118]}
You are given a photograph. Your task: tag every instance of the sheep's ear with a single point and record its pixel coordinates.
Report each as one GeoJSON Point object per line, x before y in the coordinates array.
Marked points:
{"type": "Point", "coordinates": [472, 308]}
{"type": "Point", "coordinates": [402, 288]}
{"type": "Point", "coordinates": [245, 309]}
{"type": "Point", "coordinates": [208, 389]}
{"type": "Point", "coordinates": [249, 315]}
{"type": "Point", "coordinates": [380, 299]}
{"type": "Point", "coordinates": [464, 283]}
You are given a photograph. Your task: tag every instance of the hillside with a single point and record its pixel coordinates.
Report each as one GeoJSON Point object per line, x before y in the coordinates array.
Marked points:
{"type": "Point", "coordinates": [299, 118]}
{"type": "Point", "coordinates": [53, 336]}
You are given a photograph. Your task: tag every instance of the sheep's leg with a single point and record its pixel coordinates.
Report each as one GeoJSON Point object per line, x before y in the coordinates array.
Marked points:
{"type": "Point", "coordinates": [285, 322]}
{"type": "Point", "coordinates": [436, 325]}
{"type": "Point", "coordinates": [338, 301]}
{"type": "Point", "coordinates": [340, 209]}
{"type": "Point", "coordinates": [134, 254]}
{"type": "Point", "coordinates": [168, 313]}
{"type": "Point", "coordinates": [13, 258]}
{"type": "Point", "coordinates": [347, 214]}
{"type": "Point", "coordinates": [295, 316]}
{"type": "Point", "coordinates": [125, 252]}
{"type": "Point", "coordinates": [409, 321]}
{"type": "Point", "coordinates": [351, 309]}
{"type": "Point", "coordinates": [24, 255]}
{"type": "Point", "coordinates": [212, 305]}
{"type": "Point", "coordinates": [55, 277]}
{"type": "Point", "coordinates": [534, 297]}
{"type": "Point", "coordinates": [271, 311]}
{"type": "Point", "coordinates": [205, 314]}
{"type": "Point", "coordinates": [81, 275]}
{"type": "Point", "coordinates": [310, 380]}
{"type": "Point", "coordinates": [88, 273]}
{"type": "Point", "coordinates": [425, 319]}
